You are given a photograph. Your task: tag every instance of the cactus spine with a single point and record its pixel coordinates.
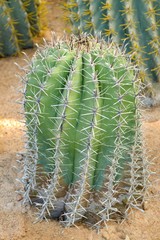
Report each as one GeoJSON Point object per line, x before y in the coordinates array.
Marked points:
{"type": "Point", "coordinates": [136, 22]}
{"type": "Point", "coordinates": [19, 22]}
{"type": "Point", "coordinates": [83, 131]}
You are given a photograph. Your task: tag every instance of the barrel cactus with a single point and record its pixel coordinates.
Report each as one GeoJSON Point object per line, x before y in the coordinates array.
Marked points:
{"type": "Point", "coordinates": [136, 22]}
{"type": "Point", "coordinates": [19, 23]}
{"type": "Point", "coordinates": [84, 155]}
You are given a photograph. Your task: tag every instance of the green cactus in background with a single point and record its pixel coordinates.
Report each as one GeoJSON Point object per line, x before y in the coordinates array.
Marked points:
{"type": "Point", "coordinates": [31, 10]}
{"type": "Point", "coordinates": [84, 144]}
{"type": "Point", "coordinates": [135, 21]}
{"type": "Point", "coordinates": [19, 22]}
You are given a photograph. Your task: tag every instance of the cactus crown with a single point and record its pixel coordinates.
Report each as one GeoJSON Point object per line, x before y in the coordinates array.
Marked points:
{"type": "Point", "coordinates": [83, 131]}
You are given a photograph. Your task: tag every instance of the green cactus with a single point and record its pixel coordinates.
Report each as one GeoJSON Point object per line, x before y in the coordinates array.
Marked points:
{"type": "Point", "coordinates": [31, 10]}
{"type": "Point", "coordinates": [83, 131]}
{"type": "Point", "coordinates": [136, 22]}
{"type": "Point", "coordinates": [9, 42]}
{"type": "Point", "coordinates": [19, 22]}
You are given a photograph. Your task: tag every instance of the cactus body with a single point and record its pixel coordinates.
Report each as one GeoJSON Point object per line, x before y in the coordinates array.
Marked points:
{"type": "Point", "coordinates": [83, 131]}
{"type": "Point", "coordinates": [31, 10]}
{"type": "Point", "coordinates": [7, 34]}
{"type": "Point", "coordinates": [19, 22]}
{"type": "Point", "coordinates": [136, 22]}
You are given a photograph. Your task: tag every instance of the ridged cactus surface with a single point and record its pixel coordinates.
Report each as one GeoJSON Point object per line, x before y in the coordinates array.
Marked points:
{"type": "Point", "coordinates": [19, 22]}
{"type": "Point", "coordinates": [136, 22]}
{"type": "Point", "coordinates": [84, 146]}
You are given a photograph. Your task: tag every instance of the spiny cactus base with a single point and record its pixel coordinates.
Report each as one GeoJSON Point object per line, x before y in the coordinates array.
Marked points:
{"type": "Point", "coordinates": [84, 157]}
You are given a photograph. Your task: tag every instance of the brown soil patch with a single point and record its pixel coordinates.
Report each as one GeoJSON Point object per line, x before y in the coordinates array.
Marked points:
{"type": "Point", "coordinates": [15, 222]}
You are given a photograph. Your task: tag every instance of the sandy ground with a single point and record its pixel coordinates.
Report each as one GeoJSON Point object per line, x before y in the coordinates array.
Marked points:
{"type": "Point", "coordinates": [17, 223]}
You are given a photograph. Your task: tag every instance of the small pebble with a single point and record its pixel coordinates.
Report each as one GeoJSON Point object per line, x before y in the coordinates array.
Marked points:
{"type": "Point", "coordinates": [19, 197]}
{"type": "Point", "coordinates": [145, 205]}
{"type": "Point", "coordinates": [105, 236]}
{"type": "Point", "coordinates": [37, 200]}
{"type": "Point", "coordinates": [127, 238]}
{"type": "Point", "coordinates": [57, 213]}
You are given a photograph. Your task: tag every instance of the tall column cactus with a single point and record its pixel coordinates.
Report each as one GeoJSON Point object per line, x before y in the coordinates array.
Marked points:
{"type": "Point", "coordinates": [19, 22]}
{"type": "Point", "coordinates": [136, 22]}
{"type": "Point", "coordinates": [84, 144]}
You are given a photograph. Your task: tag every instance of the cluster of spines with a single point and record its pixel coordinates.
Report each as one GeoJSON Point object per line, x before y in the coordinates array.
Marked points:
{"type": "Point", "coordinates": [131, 190]}
{"type": "Point", "coordinates": [125, 177]}
{"type": "Point", "coordinates": [137, 23]}
{"type": "Point", "coordinates": [42, 15]}
{"type": "Point", "coordinates": [78, 195]}
{"type": "Point", "coordinates": [32, 15]}
{"type": "Point", "coordinates": [33, 102]}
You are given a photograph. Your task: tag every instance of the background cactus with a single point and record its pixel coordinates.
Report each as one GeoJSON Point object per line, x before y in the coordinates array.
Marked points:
{"type": "Point", "coordinates": [136, 22]}
{"type": "Point", "coordinates": [19, 22]}
{"type": "Point", "coordinates": [84, 146]}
